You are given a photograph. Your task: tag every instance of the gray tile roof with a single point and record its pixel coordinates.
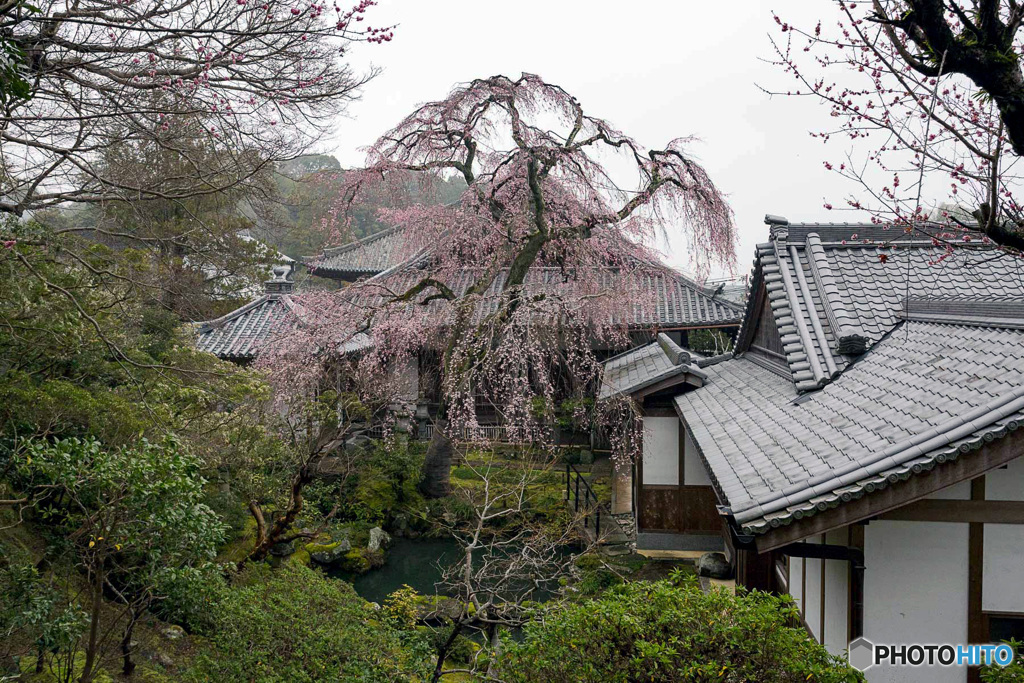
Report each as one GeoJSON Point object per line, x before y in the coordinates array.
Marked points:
{"type": "Point", "coordinates": [645, 366]}
{"type": "Point", "coordinates": [928, 393]}
{"type": "Point", "coordinates": [833, 296]}
{"type": "Point", "coordinates": [680, 302]}
{"type": "Point", "coordinates": [238, 335]}
{"type": "Point", "coordinates": [371, 255]}
{"type": "Point", "coordinates": [944, 372]}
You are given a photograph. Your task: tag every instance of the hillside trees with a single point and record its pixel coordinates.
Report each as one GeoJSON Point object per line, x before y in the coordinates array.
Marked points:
{"type": "Point", "coordinates": [541, 199]}
{"type": "Point", "coordinates": [237, 76]}
{"type": "Point", "coordinates": [129, 521]}
{"type": "Point", "coordinates": [150, 123]}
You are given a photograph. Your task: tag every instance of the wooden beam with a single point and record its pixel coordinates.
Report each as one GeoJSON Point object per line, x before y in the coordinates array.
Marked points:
{"type": "Point", "coordinates": [821, 618]}
{"type": "Point", "coordinates": [824, 551]}
{"type": "Point", "coordinates": [966, 467]}
{"type": "Point", "coordinates": [673, 381]}
{"type": "Point", "coordinates": [967, 511]}
{"type": "Point", "coordinates": [660, 411]}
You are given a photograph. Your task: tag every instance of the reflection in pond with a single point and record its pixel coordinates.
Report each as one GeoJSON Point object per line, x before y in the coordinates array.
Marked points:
{"type": "Point", "coordinates": [418, 563]}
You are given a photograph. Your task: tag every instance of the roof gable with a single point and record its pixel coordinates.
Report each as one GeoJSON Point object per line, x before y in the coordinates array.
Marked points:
{"type": "Point", "coordinates": [836, 289]}
{"type": "Point", "coordinates": [942, 374]}
{"type": "Point", "coordinates": [660, 364]}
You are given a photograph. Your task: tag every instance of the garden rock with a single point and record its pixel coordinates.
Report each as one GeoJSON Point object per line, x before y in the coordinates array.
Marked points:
{"type": "Point", "coordinates": [379, 539]}
{"type": "Point", "coordinates": [714, 566]}
{"type": "Point", "coordinates": [163, 660]}
{"type": "Point", "coordinates": [330, 554]}
{"type": "Point", "coordinates": [172, 632]}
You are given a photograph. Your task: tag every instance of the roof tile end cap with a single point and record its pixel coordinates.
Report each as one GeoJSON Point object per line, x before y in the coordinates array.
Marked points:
{"type": "Point", "coordinates": [676, 355]}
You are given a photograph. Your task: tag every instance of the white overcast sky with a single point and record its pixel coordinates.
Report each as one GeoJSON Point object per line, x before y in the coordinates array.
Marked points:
{"type": "Point", "coordinates": [655, 69]}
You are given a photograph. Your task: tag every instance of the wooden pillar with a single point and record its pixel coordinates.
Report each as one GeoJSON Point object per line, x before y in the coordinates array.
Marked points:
{"type": "Point", "coordinates": [976, 630]}
{"type": "Point", "coordinates": [754, 569]}
{"type": "Point", "coordinates": [855, 606]}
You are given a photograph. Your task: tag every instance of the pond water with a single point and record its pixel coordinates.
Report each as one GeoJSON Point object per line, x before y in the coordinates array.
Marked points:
{"type": "Point", "coordinates": [417, 563]}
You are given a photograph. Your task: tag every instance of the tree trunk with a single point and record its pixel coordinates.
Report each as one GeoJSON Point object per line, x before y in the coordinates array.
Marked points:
{"type": "Point", "coordinates": [128, 667]}
{"type": "Point", "coordinates": [281, 526]}
{"type": "Point", "coordinates": [442, 652]}
{"type": "Point", "coordinates": [495, 640]}
{"type": "Point", "coordinates": [89, 669]}
{"type": "Point", "coordinates": [437, 465]}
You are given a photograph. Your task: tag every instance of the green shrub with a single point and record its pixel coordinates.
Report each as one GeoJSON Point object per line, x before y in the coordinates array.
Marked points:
{"type": "Point", "coordinates": [663, 633]}
{"type": "Point", "coordinates": [295, 624]}
{"type": "Point", "coordinates": [401, 607]}
{"type": "Point", "coordinates": [1014, 673]}
{"type": "Point", "coordinates": [593, 582]}
{"type": "Point", "coordinates": [387, 484]}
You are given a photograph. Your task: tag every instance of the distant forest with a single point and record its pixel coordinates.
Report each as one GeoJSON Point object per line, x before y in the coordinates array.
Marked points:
{"type": "Point", "coordinates": [306, 188]}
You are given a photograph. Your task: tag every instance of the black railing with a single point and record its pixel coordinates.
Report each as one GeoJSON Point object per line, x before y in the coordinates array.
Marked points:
{"type": "Point", "coordinates": [581, 498]}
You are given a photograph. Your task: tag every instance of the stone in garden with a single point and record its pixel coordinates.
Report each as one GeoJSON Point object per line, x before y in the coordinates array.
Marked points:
{"type": "Point", "coordinates": [163, 660]}
{"type": "Point", "coordinates": [172, 632]}
{"type": "Point", "coordinates": [714, 566]}
{"type": "Point", "coordinates": [379, 539]}
{"type": "Point", "coordinates": [282, 549]}
{"type": "Point", "coordinates": [330, 554]}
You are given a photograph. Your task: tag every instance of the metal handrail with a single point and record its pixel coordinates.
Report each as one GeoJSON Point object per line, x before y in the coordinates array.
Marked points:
{"type": "Point", "coordinates": [572, 496]}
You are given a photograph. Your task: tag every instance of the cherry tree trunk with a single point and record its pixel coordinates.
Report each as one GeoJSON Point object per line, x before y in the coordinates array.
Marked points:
{"type": "Point", "coordinates": [437, 465]}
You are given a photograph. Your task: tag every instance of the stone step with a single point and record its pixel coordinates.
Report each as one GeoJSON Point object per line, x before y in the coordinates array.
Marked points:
{"type": "Point", "coordinates": [615, 550]}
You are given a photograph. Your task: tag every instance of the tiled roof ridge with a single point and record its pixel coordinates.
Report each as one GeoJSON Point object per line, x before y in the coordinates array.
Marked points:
{"type": "Point", "coordinates": [812, 313]}
{"type": "Point", "coordinates": [1007, 313]}
{"type": "Point", "coordinates": [793, 332]}
{"type": "Point", "coordinates": [675, 353]}
{"type": "Point", "coordinates": [857, 233]}
{"type": "Point", "coordinates": [708, 361]}
{"type": "Point", "coordinates": [958, 427]}
{"type": "Point", "coordinates": [850, 336]}
{"type": "Point", "coordinates": [207, 325]}
{"type": "Point", "coordinates": [361, 242]}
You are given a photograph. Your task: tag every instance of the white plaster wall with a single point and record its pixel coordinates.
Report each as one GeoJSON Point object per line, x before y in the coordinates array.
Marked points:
{"type": "Point", "coordinates": [915, 591]}
{"type": "Point", "coordinates": [1006, 484]}
{"type": "Point", "coordinates": [1004, 545]}
{"type": "Point", "coordinates": [661, 450]}
{"type": "Point", "coordinates": [694, 473]}
{"type": "Point", "coordinates": [796, 571]}
{"type": "Point", "coordinates": [1003, 573]}
{"type": "Point", "coordinates": [837, 597]}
